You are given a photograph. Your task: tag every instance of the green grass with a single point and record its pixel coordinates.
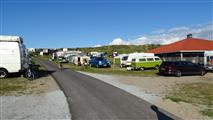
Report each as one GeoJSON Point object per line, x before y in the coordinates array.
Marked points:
{"type": "Point", "coordinates": [208, 112]}
{"type": "Point", "coordinates": [195, 93]}
{"type": "Point", "coordinates": [17, 86]}
{"type": "Point", "coordinates": [112, 71]}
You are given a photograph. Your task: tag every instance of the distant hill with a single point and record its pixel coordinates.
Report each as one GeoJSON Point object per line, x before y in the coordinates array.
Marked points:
{"type": "Point", "coordinates": [119, 48]}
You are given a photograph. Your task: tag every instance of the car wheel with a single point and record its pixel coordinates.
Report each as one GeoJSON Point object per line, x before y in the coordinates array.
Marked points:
{"type": "Point", "coordinates": [178, 73]}
{"type": "Point", "coordinates": [203, 72]}
{"type": "Point", "coordinates": [156, 67]}
{"type": "Point", "coordinates": [3, 73]}
{"type": "Point", "coordinates": [142, 69]}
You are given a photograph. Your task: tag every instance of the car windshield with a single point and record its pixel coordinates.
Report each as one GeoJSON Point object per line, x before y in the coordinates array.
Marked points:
{"type": "Point", "coordinates": [100, 58]}
{"type": "Point", "coordinates": [168, 63]}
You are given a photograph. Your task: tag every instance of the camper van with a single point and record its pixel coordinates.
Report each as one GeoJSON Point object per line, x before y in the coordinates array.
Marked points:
{"type": "Point", "coordinates": [13, 55]}
{"type": "Point", "coordinates": [208, 60]}
{"type": "Point", "coordinates": [126, 60]}
{"type": "Point", "coordinates": [142, 63]}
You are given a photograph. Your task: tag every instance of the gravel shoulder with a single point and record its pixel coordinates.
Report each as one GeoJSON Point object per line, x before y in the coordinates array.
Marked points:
{"type": "Point", "coordinates": [154, 89]}
{"type": "Point", "coordinates": [43, 101]}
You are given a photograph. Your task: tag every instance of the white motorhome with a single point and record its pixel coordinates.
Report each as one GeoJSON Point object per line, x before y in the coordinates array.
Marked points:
{"type": "Point", "coordinates": [13, 55]}
{"type": "Point", "coordinates": [126, 60]}
{"type": "Point", "coordinates": [208, 60]}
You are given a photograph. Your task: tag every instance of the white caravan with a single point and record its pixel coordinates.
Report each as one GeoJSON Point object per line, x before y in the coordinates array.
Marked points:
{"type": "Point", "coordinates": [126, 60]}
{"type": "Point", "coordinates": [81, 60]}
{"type": "Point", "coordinates": [208, 60]}
{"type": "Point", "coordinates": [13, 55]}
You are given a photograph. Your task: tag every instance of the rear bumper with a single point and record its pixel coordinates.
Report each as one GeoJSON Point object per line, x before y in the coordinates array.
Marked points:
{"type": "Point", "coordinates": [209, 68]}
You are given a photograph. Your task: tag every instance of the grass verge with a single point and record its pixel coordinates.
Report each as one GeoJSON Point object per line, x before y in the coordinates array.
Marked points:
{"type": "Point", "coordinates": [195, 93]}
{"type": "Point", "coordinates": [208, 112]}
{"type": "Point", "coordinates": [112, 70]}
{"type": "Point", "coordinates": [16, 85]}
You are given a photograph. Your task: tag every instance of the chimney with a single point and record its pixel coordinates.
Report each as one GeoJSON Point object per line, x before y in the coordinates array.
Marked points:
{"type": "Point", "coordinates": [189, 35]}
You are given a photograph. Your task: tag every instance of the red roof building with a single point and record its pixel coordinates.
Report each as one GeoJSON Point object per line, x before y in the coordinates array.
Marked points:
{"type": "Point", "coordinates": [189, 49]}
{"type": "Point", "coordinates": [188, 44]}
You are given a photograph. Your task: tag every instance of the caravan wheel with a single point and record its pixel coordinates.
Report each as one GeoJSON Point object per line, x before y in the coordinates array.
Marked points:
{"type": "Point", "coordinates": [3, 73]}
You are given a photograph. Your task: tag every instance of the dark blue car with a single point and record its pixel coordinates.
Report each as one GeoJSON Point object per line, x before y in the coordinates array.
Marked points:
{"type": "Point", "coordinates": [99, 62]}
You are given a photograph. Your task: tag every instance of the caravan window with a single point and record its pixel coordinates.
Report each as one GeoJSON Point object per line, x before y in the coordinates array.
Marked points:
{"type": "Point", "coordinates": [157, 59]}
{"type": "Point", "coordinates": [150, 59]}
{"type": "Point", "coordinates": [142, 60]}
{"type": "Point", "coordinates": [125, 58]}
{"type": "Point", "coordinates": [133, 60]}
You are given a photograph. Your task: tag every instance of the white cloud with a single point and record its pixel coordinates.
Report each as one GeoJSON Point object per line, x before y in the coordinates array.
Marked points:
{"type": "Point", "coordinates": [158, 31]}
{"type": "Point", "coordinates": [178, 29]}
{"type": "Point", "coordinates": [119, 41]}
{"type": "Point", "coordinates": [97, 45]}
{"type": "Point", "coordinates": [163, 36]}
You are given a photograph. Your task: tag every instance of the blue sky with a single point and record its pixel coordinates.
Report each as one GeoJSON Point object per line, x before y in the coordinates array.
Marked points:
{"type": "Point", "coordinates": [84, 23]}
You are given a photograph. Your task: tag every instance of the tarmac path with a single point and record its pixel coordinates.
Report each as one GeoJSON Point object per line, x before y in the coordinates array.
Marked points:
{"type": "Point", "coordinates": [92, 99]}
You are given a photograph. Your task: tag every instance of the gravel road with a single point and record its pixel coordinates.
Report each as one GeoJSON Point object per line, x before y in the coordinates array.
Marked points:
{"type": "Point", "coordinates": [47, 103]}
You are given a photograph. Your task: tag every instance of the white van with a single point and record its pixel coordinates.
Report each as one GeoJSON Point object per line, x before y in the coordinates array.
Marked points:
{"type": "Point", "coordinates": [126, 60]}
{"type": "Point", "coordinates": [13, 55]}
{"type": "Point", "coordinates": [141, 63]}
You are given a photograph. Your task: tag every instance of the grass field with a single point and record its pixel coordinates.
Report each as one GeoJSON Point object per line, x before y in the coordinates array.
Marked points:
{"type": "Point", "coordinates": [195, 93]}
{"type": "Point", "coordinates": [113, 70]}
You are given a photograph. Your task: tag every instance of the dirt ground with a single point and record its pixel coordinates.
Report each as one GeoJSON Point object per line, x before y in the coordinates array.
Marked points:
{"type": "Point", "coordinates": [43, 85]}
{"type": "Point", "coordinates": [154, 89]}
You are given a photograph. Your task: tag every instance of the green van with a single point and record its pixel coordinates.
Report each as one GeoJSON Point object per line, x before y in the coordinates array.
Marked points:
{"type": "Point", "coordinates": [145, 62]}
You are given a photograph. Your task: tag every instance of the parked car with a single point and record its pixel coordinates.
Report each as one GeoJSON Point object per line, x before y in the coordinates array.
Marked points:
{"type": "Point", "coordinates": [142, 63]}
{"type": "Point", "coordinates": [179, 68]}
{"type": "Point", "coordinates": [99, 62]}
